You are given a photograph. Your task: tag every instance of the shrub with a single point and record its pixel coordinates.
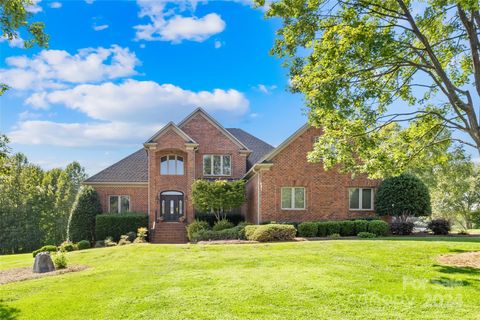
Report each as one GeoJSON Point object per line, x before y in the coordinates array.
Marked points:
{"type": "Point", "coordinates": [222, 224]}
{"type": "Point", "coordinates": [123, 240]}
{"type": "Point", "coordinates": [100, 244]}
{"type": "Point", "coordinates": [439, 226]}
{"type": "Point", "coordinates": [322, 229]}
{"type": "Point", "coordinates": [131, 236]}
{"type": "Point", "coordinates": [360, 226]}
{"type": "Point", "coordinates": [83, 244]}
{"type": "Point", "coordinates": [334, 236]}
{"type": "Point", "coordinates": [60, 260]}
{"type": "Point", "coordinates": [224, 234]}
{"type": "Point", "coordinates": [332, 227]}
{"type": "Point", "coordinates": [48, 248]}
{"type": "Point", "coordinates": [401, 228]}
{"type": "Point", "coordinates": [463, 232]}
{"type": "Point", "coordinates": [347, 228]}
{"type": "Point", "coordinates": [195, 227]}
{"type": "Point", "coordinates": [141, 235]}
{"type": "Point", "coordinates": [234, 218]}
{"type": "Point", "coordinates": [403, 196]}
{"type": "Point", "coordinates": [67, 246]}
{"type": "Point", "coordinates": [308, 229]}
{"type": "Point", "coordinates": [109, 242]}
{"type": "Point", "coordinates": [118, 224]}
{"type": "Point", "coordinates": [366, 235]}
{"type": "Point", "coordinates": [82, 224]}
{"type": "Point", "coordinates": [250, 230]}
{"type": "Point", "coordinates": [272, 232]}
{"type": "Point", "coordinates": [378, 227]}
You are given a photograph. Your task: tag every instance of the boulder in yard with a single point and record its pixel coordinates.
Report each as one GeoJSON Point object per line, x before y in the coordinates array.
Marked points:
{"type": "Point", "coordinates": [43, 263]}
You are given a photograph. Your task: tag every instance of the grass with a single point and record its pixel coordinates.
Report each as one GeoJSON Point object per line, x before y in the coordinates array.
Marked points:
{"type": "Point", "coordinates": [342, 279]}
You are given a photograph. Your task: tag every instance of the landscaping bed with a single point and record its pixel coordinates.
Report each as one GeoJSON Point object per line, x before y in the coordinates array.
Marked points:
{"type": "Point", "coordinates": [26, 273]}
{"type": "Point", "coordinates": [465, 259]}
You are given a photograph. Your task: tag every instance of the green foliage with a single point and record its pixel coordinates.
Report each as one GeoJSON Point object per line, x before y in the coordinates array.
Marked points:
{"type": "Point", "coordinates": [378, 227]}
{"type": "Point", "coordinates": [141, 235]}
{"type": "Point", "coordinates": [222, 224]}
{"type": "Point", "coordinates": [335, 236]}
{"type": "Point", "coordinates": [218, 197]}
{"type": "Point", "coordinates": [250, 230]}
{"type": "Point", "coordinates": [439, 226]}
{"type": "Point", "coordinates": [109, 242]}
{"type": "Point", "coordinates": [131, 236]}
{"type": "Point", "coordinates": [195, 227]}
{"type": "Point", "coordinates": [60, 260]}
{"type": "Point", "coordinates": [353, 59]}
{"type": "Point", "coordinates": [401, 228]}
{"type": "Point", "coordinates": [347, 228]}
{"type": "Point", "coordinates": [403, 196]}
{"type": "Point", "coordinates": [117, 224]}
{"type": "Point", "coordinates": [234, 218]}
{"type": "Point", "coordinates": [82, 223]}
{"type": "Point", "coordinates": [47, 248]}
{"type": "Point", "coordinates": [332, 227]}
{"type": "Point", "coordinates": [233, 233]}
{"type": "Point", "coordinates": [308, 229]}
{"type": "Point", "coordinates": [322, 228]}
{"type": "Point", "coordinates": [123, 240]}
{"type": "Point", "coordinates": [366, 235]}
{"type": "Point", "coordinates": [361, 226]}
{"type": "Point", "coordinates": [67, 246]}
{"type": "Point", "coordinates": [271, 232]}
{"type": "Point", "coordinates": [83, 244]}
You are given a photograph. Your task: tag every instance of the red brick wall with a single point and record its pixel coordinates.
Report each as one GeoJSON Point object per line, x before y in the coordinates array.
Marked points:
{"type": "Point", "coordinates": [212, 141]}
{"type": "Point", "coordinates": [138, 196]}
{"type": "Point", "coordinates": [251, 191]}
{"type": "Point", "coordinates": [326, 192]}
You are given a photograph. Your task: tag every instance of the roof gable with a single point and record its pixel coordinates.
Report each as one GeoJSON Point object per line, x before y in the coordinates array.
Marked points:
{"type": "Point", "coordinates": [215, 123]}
{"type": "Point", "coordinates": [175, 128]}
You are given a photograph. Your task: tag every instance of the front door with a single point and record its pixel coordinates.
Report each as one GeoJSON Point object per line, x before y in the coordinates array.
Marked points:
{"type": "Point", "coordinates": [171, 205]}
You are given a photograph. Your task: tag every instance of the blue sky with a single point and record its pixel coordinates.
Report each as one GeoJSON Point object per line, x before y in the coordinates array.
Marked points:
{"type": "Point", "coordinates": [116, 71]}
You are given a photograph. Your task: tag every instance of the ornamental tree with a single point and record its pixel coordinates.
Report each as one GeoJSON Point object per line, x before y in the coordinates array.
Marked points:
{"type": "Point", "coordinates": [403, 197]}
{"type": "Point", "coordinates": [82, 220]}
{"type": "Point", "coordinates": [218, 196]}
{"type": "Point", "coordinates": [386, 80]}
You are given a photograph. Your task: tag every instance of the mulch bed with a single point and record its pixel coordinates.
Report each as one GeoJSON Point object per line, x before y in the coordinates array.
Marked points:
{"type": "Point", "coordinates": [26, 273]}
{"type": "Point", "coordinates": [466, 259]}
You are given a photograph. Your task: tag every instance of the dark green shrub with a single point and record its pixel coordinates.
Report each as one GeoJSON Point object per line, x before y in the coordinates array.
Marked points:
{"type": "Point", "coordinates": [131, 236]}
{"type": "Point", "coordinates": [322, 228]}
{"type": "Point", "coordinates": [332, 227]}
{"type": "Point", "coordinates": [439, 226]}
{"type": "Point", "coordinates": [308, 229]}
{"type": "Point", "coordinates": [335, 236]}
{"type": "Point", "coordinates": [117, 224]}
{"type": "Point", "coordinates": [347, 228]}
{"type": "Point", "coordinates": [360, 226]}
{"type": "Point", "coordinates": [224, 234]}
{"type": "Point", "coordinates": [272, 232]}
{"type": "Point", "coordinates": [195, 227]}
{"type": "Point", "coordinates": [366, 235]}
{"type": "Point", "coordinates": [83, 244]}
{"type": "Point", "coordinates": [82, 224]}
{"type": "Point", "coordinates": [403, 196]}
{"type": "Point", "coordinates": [67, 246]}
{"type": "Point", "coordinates": [378, 227]}
{"type": "Point", "coordinates": [234, 218]}
{"type": "Point", "coordinates": [222, 224]}
{"type": "Point", "coordinates": [47, 248]}
{"type": "Point", "coordinates": [401, 228]}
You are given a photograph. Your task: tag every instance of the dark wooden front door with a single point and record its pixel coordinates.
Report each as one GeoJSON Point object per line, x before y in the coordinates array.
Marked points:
{"type": "Point", "coordinates": [171, 206]}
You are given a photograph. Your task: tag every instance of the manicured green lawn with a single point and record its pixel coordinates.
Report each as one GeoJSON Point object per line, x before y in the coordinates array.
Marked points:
{"type": "Point", "coordinates": [343, 279]}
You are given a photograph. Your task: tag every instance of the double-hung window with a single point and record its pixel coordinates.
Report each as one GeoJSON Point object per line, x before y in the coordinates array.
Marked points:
{"type": "Point", "coordinates": [293, 198]}
{"type": "Point", "coordinates": [217, 165]}
{"type": "Point", "coordinates": [361, 199]}
{"type": "Point", "coordinates": [119, 204]}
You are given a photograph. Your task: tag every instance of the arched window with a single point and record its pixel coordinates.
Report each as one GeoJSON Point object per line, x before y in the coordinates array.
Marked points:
{"type": "Point", "coordinates": [171, 165]}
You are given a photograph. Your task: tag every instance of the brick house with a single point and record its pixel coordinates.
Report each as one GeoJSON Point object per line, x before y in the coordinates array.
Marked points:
{"type": "Point", "coordinates": [281, 184]}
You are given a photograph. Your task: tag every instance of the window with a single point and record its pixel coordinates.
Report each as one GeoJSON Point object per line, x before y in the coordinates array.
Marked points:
{"type": "Point", "coordinates": [119, 204]}
{"type": "Point", "coordinates": [171, 165]}
{"type": "Point", "coordinates": [361, 199]}
{"type": "Point", "coordinates": [293, 198]}
{"type": "Point", "coordinates": [217, 165]}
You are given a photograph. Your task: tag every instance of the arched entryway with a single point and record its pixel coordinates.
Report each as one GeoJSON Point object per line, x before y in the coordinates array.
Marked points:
{"type": "Point", "coordinates": [172, 205]}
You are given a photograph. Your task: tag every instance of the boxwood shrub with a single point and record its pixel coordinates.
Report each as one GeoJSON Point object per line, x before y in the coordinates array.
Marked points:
{"type": "Point", "coordinates": [308, 229]}
{"type": "Point", "coordinates": [347, 228]}
{"type": "Point", "coordinates": [116, 224]}
{"type": "Point", "coordinates": [196, 226]}
{"type": "Point", "coordinates": [234, 233]}
{"type": "Point", "coordinates": [48, 248]}
{"type": "Point", "coordinates": [271, 232]}
{"type": "Point", "coordinates": [361, 226]}
{"type": "Point", "coordinates": [234, 218]}
{"type": "Point", "coordinates": [378, 227]}
{"type": "Point", "coordinates": [83, 244]}
{"type": "Point", "coordinates": [322, 229]}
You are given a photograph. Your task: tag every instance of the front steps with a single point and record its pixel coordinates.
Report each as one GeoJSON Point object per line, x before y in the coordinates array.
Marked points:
{"type": "Point", "coordinates": [169, 232]}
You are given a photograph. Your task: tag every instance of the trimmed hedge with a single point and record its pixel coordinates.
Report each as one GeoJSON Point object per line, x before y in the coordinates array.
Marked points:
{"type": "Point", "coordinates": [234, 218]}
{"type": "Point", "coordinates": [234, 233]}
{"type": "Point", "coordinates": [361, 225]}
{"type": "Point", "coordinates": [378, 227]}
{"type": "Point", "coordinates": [366, 235]}
{"type": "Point", "coordinates": [222, 224]}
{"type": "Point", "coordinates": [271, 232]}
{"type": "Point", "coordinates": [83, 244]}
{"type": "Point", "coordinates": [345, 228]}
{"type": "Point", "coordinates": [117, 224]}
{"type": "Point", "coordinates": [48, 248]}
{"type": "Point", "coordinates": [308, 229]}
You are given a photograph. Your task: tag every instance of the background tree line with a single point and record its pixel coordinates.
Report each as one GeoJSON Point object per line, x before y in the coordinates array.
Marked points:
{"type": "Point", "coordinates": [35, 204]}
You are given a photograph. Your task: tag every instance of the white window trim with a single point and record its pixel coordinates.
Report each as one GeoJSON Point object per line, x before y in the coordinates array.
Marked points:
{"type": "Point", "coordinates": [293, 198]}
{"type": "Point", "coordinates": [221, 165]}
{"type": "Point", "coordinates": [168, 163]}
{"type": "Point", "coordinates": [120, 202]}
{"type": "Point", "coordinates": [360, 194]}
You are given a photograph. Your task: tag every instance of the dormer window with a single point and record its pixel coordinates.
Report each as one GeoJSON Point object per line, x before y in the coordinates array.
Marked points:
{"type": "Point", "coordinates": [171, 165]}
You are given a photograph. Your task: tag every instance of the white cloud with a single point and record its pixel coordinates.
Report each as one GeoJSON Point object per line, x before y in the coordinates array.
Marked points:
{"type": "Point", "coordinates": [100, 27]}
{"type": "Point", "coordinates": [265, 89]}
{"type": "Point", "coordinates": [35, 7]}
{"type": "Point", "coordinates": [166, 24]}
{"type": "Point", "coordinates": [14, 43]}
{"type": "Point", "coordinates": [55, 5]}
{"type": "Point", "coordinates": [89, 1]}
{"type": "Point", "coordinates": [217, 44]}
{"type": "Point", "coordinates": [141, 101]}
{"type": "Point", "coordinates": [56, 68]}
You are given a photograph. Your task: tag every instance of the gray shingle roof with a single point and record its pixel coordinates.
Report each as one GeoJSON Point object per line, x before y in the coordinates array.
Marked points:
{"type": "Point", "coordinates": [134, 167]}
{"type": "Point", "coordinates": [259, 147]}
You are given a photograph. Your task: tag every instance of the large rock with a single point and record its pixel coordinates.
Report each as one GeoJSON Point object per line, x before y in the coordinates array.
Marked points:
{"type": "Point", "coordinates": [43, 263]}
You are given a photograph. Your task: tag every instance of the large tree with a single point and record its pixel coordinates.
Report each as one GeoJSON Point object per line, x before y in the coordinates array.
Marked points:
{"type": "Point", "coordinates": [367, 67]}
